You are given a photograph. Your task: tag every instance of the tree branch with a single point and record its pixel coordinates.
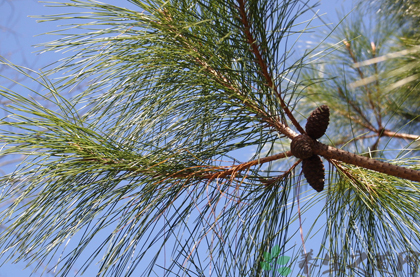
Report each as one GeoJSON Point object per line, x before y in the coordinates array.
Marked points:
{"type": "Point", "coordinates": [242, 166]}
{"type": "Point", "coordinates": [400, 135]}
{"type": "Point", "coordinates": [224, 81]}
{"type": "Point", "coordinates": [263, 65]}
{"type": "Point", "coordinates": [380, 133]}
{"type": "Point", "coordinates": [329, 152]}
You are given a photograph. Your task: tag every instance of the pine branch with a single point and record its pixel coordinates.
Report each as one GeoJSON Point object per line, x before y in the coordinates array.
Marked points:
{"type": "Point", "coordinates": [263, 64]}
{"type": "Point", "coordinates": [329, 152]}
{"type": "Point", "coordinates": [190, 82]}
{"type": "Point", "coordinates": [306, 146]}
{"type": "Point", "coordinates": [377, 134]}
{"type": "Point", "coordinates": [225, 82]}
{"type": "Point", "coordinates": [269, 182]}
{"type": "Point", "coordinates": [392, 134]}
{"type": "Point", "coordinates": [240, 167]}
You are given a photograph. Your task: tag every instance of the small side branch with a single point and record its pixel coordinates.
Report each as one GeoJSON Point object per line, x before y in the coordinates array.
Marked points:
{"type": "Point", "coordinates": [400, 135]}
{"type": "Point", "coordinates": [237, 168]}
{"type": "Point", "coordinates": [379, 133]}
{"type": "Point", "coordinates": [263, 64]}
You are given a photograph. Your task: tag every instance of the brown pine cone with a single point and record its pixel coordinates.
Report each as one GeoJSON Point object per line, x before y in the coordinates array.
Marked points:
{"type": "Point", "coordinates": [318, 122]}
{"type": "Point", "coordinates": [301, 146]}
{"type": "Point", "coordinates": [314, 172]}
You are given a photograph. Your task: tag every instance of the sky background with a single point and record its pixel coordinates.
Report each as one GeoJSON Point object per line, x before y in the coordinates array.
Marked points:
{"type": "Point", "coordinates": [19, 33]}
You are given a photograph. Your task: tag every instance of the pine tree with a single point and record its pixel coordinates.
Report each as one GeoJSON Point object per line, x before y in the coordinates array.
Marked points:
{"type": "Point", "coordinates": [175, 89]}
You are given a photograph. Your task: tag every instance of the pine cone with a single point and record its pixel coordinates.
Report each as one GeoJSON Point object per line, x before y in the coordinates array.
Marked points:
{"type": "Point", "coordinates": [318, 122]}
{"type": "Point", "coordinates": [301, 146]}
{"type": "Point", "coordinates": [314, 172]}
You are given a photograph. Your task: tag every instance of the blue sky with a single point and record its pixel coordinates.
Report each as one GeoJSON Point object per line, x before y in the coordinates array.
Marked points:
{"type": "Point", "coordinates": [18, 35]}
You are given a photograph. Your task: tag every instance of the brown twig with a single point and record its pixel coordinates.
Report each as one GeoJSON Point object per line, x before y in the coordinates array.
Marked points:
{"type": "Point", "coordinates": [243, 166]}
{"type": "Point", "coordinates": [380, 133]}
{"type": "Point", "coordinates": [272, 180]}
{"type": "Point", "coordinates": [263, 65]}
{"type": "Point", "coordinates": [400, 135]}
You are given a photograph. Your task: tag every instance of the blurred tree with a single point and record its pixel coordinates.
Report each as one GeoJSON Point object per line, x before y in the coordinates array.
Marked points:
{"type": "Point", "coordinates": [369, 75]}
{"type": "Point", "coordinates": [148, 148]}
{"type": "Point", "coordinates": [406, 55]}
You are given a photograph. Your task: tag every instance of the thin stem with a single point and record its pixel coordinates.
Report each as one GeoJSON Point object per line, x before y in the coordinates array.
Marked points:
{"type": "Point", "coordinates": [273, 180]}
{"type": "Point", "coordinates": [243, 166]}
{"type": "Point", "coordinates": [347, 140]}
{"type": "Point", "coordinates": [375, 66]}
{"type": "Point", "coordinates": [362, 76]}
{"type": "Point", "coordinates": [355, 107]}
{"type": "Point", "coordinates": [263, 65]}
{"type": "Point", "coordinates": [399, 135]}
{"type": "Point", "coordinates": [380, 133]}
